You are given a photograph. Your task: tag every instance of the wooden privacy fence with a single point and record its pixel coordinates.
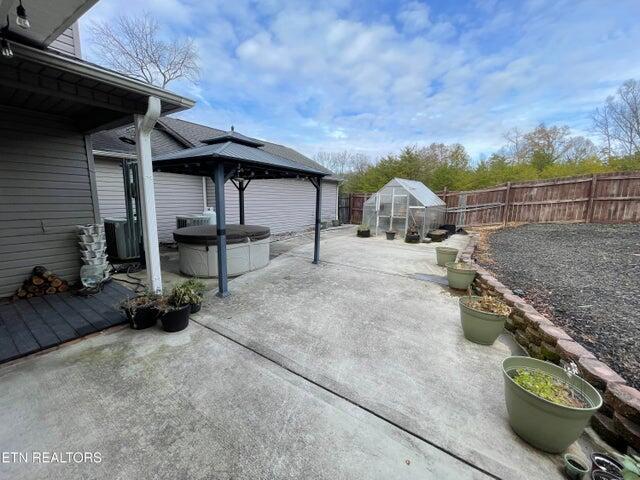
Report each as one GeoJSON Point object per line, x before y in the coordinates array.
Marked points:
{"type": "Point", "coordinates": [350, 207]}
{"type": "Point", "coordinates": [601, 198]}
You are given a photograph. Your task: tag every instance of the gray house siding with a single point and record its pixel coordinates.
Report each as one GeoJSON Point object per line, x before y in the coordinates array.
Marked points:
{"type": "Point", "coordinates": [68, 42]}
{"type": "Point", "coordinates": [175, 195]}
{"type": "Point", "coordinates": [45, 191]}
{"type": "Point", "coordinates": [282, 205]}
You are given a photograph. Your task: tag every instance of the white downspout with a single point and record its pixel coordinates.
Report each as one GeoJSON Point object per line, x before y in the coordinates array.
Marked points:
{"type": "Point", "coordinates": [144, 125]}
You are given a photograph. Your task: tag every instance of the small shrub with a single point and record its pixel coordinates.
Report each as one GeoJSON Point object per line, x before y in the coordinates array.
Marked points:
{"type": "Point", "coordinates": [146, 299]}
{"type": "Point", "coordinates": [186, 293]}
{"type": "Point", "coordinates": [363, 227]}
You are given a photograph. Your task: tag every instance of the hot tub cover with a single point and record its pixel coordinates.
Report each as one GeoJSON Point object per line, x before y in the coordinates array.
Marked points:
{"type": "Point", "coordinates": [207, 234]}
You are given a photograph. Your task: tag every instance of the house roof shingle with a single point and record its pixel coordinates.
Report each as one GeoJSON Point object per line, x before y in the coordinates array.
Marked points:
{"type": "Point", "coordinates": [173, 134]}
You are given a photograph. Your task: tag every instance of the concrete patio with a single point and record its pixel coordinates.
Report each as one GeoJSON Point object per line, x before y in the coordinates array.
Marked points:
{"type": "Point", "coordinates": [351, 369]}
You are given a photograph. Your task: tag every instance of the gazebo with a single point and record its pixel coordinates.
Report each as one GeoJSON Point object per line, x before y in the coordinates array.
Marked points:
{"type": "Point", "coordinates": [238, 158]}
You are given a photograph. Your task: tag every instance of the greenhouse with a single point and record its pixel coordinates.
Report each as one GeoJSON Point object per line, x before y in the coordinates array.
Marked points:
{"type": "Point", "coordinates": [403, 205]}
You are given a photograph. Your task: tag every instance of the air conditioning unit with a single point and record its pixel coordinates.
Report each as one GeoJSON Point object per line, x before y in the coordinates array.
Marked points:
{"type": "Point", "coordinates": [118, 244]}
{"type": "Point", "coordinates": [183, 221]}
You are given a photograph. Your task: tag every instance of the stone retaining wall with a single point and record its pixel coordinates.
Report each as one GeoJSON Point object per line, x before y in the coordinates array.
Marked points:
{"type": "Point", "coordinates": [618, 421]}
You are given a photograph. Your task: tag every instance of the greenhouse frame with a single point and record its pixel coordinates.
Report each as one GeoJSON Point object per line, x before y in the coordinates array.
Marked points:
{"type": "Point", "coordinates": [402, 205]}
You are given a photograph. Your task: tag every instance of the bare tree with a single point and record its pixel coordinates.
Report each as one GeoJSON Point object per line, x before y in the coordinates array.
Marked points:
{"type": "Point", "coordinates": [618, 121]}
{"type": "Point", "coordinates": [344, 162]}
{"type": "Point", "coordinates": [515, 148]}
{"type": "Point", "coordinates": [132, 45]}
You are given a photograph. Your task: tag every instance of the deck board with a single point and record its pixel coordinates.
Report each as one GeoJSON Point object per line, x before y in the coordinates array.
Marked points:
{"type": "Point", "coordinates": [28, 326]}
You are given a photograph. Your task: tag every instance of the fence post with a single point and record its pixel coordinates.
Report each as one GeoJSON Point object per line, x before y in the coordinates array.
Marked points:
{"type": "Point", "coordinates": [592, 192]}
{"type": "Point", "coordinates": [505, 209]}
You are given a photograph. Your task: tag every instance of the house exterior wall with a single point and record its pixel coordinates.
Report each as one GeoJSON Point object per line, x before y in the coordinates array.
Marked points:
{"type": "Point", "coordinates": [69, 41]}
{"type": "Point", "coordinates": [284, 205]}
{"type": "Point", "coordinates": [45, 191]}
{"type": "Point", "coordinates": [175, 195]}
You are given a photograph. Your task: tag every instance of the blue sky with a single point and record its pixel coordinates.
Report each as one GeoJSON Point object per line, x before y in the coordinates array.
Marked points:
{"type": "Point", "coordinates": [375, 76]}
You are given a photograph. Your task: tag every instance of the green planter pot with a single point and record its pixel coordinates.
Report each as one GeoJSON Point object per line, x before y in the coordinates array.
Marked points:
{"type": "Point", "coordinates": [478, 326]}
{"type": "Point", "coordinates": [459, 278]}
{"type": "Point", "coordinates": [543, 424]}
{"type": "Point", "coordinates": [446, 255]}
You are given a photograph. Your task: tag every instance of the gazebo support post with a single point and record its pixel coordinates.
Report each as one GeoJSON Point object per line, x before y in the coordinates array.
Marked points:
{"type": "Point", "coordinates": [241, 186]}
{"type": "Point", "coordinates": [218, 181]}
{"type": "Point", "coordinates": [241, 194]}
{"type": "Point", "coordinates": [317, 182]}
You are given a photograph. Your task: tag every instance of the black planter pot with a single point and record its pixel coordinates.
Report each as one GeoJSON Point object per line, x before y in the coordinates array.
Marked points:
{"type": "Point", "coordinates": [176, 320]}
{"type": "Point", "coordinates": [364, 233]}
{"type": "Point", "coordinates": [143, 317]}
{"type": "Point", "coordinates": [195, 307]}
{"type": "Point", "coordinates": [412, 238]}
{"type": "Point", "coordinates": [607, 464]}
{"type": "Point", "coordinates": [391, 235]}
{"type": "Point", "coordinates": [451, 229]}
{"type": "Point", "coordinates": [602, 475]}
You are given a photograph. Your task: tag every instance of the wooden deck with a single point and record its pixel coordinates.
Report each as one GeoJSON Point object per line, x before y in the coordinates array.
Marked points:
{"type": "Point", "coordinates": [28, 326]}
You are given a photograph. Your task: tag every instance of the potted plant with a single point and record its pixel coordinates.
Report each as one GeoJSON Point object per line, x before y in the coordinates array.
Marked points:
{"type": "Point", "coordinates": [483, 318]}
{"type": "Point", "coordinates": [548, 406]}
{"type": "Point", "coordinates": [363, 231]}
{"type": "Point", "coordinates": [391, 234]}
{"type": "Point", "coordinates": [174, 317]}
{"type": "Point", "coordinates": [460, 275]}
{"type": "Point", "coordinates": [446, 255]}
{"type": "Point", "coordinates": [412, 236]}
{"type": "Point", "coordinates": [141, 310]}
{"type": "Point", "coordinates": [189, 292]}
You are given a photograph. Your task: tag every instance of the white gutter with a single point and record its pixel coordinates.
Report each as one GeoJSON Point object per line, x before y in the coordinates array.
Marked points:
{"type": "Point", "coordinates": [144, 125]}
{"type": "Point", "coordinates": [105, 153]}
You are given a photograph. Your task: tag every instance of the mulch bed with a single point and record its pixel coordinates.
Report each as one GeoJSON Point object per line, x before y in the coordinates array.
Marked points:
{"type": "Point", "coordinates": [585, 277]}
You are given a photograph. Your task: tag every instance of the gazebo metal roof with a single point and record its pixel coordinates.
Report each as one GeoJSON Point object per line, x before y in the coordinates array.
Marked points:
{"type": "Point", "coordinates": [234, 156]}
{"type": "Point", "coordinates": [239, 158]}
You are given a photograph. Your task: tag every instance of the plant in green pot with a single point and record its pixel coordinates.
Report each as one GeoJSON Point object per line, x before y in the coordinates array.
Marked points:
{"type": "Point", "coordinates": [363, 231]}
{"type": "Point", "coordinates": [460, 275]}
{"type": "Point", "coordinates": [141, 310]}
{"type": "Point", "coordinates": [483, 318]}
{"type": "Point", "coordinates": [446, 255]}
{"type": "Point", "coordinates": [548, 406]}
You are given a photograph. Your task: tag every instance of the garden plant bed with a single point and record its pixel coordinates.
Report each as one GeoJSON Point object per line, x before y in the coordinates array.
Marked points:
{"type": "Point", "coordinates": [584, 277]}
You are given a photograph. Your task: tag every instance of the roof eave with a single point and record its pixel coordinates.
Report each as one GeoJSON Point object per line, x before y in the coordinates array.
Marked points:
{"type": "Point", "coordinates": [174, 102]}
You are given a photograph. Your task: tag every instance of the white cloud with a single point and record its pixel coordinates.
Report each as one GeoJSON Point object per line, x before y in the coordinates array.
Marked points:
{"type": "Point", "coordinates": [321, 76]}
{"type": "Point", "coordinates": [414, 16]}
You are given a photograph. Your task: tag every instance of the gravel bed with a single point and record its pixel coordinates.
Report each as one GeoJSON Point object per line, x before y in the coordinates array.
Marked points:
{"type": "Point", "coordinates": [585, 277]}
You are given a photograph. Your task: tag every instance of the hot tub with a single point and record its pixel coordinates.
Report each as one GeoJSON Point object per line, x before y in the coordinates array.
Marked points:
{"type": "Point", "coordinates": [247, 249]}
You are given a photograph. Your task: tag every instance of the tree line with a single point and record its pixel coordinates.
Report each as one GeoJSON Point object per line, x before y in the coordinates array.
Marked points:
{"type": "Point", "coordinates": [544, 152]}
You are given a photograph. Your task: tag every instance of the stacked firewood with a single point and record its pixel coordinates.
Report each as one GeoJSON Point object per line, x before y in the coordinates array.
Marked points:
{"type": "Point", "coordinates": [41, 282]}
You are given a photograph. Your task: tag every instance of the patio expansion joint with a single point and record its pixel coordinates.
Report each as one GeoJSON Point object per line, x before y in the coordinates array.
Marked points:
{"type": "Point", "coordinates": [306, 378]}
{"type": "Point", "coordinates": [410, 276]}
